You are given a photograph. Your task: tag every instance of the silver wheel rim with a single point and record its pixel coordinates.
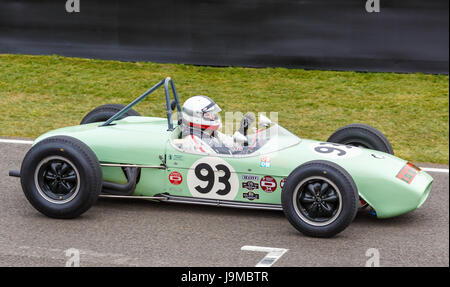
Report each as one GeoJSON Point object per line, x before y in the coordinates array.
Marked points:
{"type": "Point", "coordinates": [38, 187]}
{"type": "Point", "coordinates": [300, 213]}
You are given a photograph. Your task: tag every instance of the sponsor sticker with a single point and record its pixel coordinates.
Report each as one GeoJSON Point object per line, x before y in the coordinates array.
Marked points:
{"type": "Point", "coordinates": [408, 173]}
{"type": "Point", "coordinates": [250, 185]}
{"type": "Point", "coordinates": [265, 161]}
{"type": "Point", "coordinates": [175, 189]}
{"type": "Point", "coordinates": [282, 182]}
{"type": "Point", "coordinates": [175, 157]}
{"type": "Point", "coordinates": [175, 178]}
{"type": "Point", "coordinates": [250, 177]}
{"type": "Point", "coordinates": [268, 183]}
{"type": "Point", "coordinates": [250, 195]}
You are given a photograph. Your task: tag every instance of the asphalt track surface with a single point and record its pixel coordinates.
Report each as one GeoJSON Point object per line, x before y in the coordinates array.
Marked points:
{"type": "Point", "coordinates": [124, 232]}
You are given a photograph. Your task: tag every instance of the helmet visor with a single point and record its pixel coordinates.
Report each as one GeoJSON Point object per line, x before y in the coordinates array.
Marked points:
{"type": "Point", "coordinates": [211, 113]}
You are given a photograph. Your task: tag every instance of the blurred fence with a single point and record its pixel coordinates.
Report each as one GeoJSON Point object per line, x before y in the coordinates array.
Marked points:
{"type": "Point", "coordinates": [404, 36]}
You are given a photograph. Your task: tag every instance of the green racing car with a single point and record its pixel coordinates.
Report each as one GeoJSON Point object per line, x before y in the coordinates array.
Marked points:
{"type": "Point", "coordinates": [319, 186]}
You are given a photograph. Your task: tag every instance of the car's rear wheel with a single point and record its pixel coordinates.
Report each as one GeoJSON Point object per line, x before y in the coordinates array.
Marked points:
{"type": "Point", "coordinates": [104, 112]}
{"type": "Point", "coordinates": [319, 199]}
{"type": "Point", "coordinates": [361, 135]}
{"type": "Point", "coordinates": [61, 177]}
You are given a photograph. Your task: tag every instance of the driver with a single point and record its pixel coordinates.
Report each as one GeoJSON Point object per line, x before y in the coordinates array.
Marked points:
{"type": "Point", "coordinates": [200, 128]}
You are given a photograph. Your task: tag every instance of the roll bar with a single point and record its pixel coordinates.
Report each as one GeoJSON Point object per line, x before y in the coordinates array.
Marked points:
{"type": "Point", "coordinates": [169, 103]}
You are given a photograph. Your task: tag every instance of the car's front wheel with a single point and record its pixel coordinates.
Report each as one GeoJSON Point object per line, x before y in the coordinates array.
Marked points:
{"type": "Point", "coordinates": [319, 199]}
{"type": "Point", "coordinates": [61, 177]}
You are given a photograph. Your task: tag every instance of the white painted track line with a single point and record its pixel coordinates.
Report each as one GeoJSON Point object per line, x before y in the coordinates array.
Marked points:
{"type": "Point", "coordinates": [431, 169]}
{"type": "Point", "coordinates": [29, 142]}
{"type": "Point", "coordinates": [273, 254]}
{"type": "Point", "coordinates": [12, 141]}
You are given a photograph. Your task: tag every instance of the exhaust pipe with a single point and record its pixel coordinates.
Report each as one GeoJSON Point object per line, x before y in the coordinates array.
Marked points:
{"type": "Point", "coordinates": [14, 173]}
{"type": "Point", "coordinates": [131, 174]}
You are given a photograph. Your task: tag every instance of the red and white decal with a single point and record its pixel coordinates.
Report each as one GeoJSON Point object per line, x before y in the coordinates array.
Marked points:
{"type": "Point", "coordinates": [268, 183]}
{"type": "Point", "coordinates": [282, 182]}
{"type": "Point", "coordinates": [175, 178]}
{"type": "Point", "coordinates": [408, 173]}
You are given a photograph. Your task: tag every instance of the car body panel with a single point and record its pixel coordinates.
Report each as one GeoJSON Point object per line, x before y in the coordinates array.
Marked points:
{"type": "Point", "coordinates": [146, 141]}
{"type": "Point", "coordinates": [127, 141]}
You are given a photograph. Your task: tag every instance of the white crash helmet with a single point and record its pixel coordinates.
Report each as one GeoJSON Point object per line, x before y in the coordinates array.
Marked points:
{"type": "Point", "coordinates": [200, 112]}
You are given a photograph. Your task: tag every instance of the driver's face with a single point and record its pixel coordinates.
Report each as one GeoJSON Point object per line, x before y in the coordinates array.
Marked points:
{"type": "Point", "coordinates": [209, 116]}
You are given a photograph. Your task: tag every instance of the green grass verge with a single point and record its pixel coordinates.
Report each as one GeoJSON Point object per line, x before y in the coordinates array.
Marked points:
{"type": "Point", "coordinates": [40, 93]}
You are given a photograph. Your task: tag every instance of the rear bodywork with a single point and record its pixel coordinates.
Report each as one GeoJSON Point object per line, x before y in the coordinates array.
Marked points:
{"type": "Point", "coordinates": [387, 183]}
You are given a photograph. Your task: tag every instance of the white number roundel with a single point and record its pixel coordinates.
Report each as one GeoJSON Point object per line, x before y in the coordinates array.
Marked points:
{"type": "Point", "coordinates": [335, 151]}
{"type": "Point", "coordinates": [214, 178]}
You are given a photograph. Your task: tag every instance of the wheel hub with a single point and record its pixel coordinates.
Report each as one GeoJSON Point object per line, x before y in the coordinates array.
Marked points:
{"type": "Point", "coordinates": [57, 179]}
{"type": "Point", "coordinates": [318, 201]}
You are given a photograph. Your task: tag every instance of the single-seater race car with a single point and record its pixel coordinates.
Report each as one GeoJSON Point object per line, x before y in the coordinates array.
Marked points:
{"type": "Point", "coordinates": [319, 186]}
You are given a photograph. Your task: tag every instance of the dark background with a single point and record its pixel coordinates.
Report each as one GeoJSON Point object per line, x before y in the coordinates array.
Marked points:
{"type": "Point", "coordinates": [406, 36]}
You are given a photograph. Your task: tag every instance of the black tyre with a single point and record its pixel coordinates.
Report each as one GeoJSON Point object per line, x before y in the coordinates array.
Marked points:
{"type": "Point", "coordinates": [362, 136]}
{"type": "Point", "coordinates": [103, 113]}
{"type": "Point", "coordinates": [320, 198]}
{"type": "Point", "coordinates": [61, 177]}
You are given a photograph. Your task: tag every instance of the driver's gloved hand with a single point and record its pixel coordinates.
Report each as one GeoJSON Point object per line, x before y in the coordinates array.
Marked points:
{"type": "Point", "coordinates": [246, 121]}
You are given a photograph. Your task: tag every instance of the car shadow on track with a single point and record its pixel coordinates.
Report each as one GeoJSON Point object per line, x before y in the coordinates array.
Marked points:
{"type": "Point", "coordinates": [136, 204]}
{"type": "Point", "coordinates": [363, 217]}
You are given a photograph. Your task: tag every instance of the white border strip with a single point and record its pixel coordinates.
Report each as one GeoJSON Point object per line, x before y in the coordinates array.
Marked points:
{"type": "Point", "coordinates": [11, 141]}
{"type": "Point", "coordinates": [273, 254]}
{"type": "Point", "coordinates": [25, 142]}
{"type": "Point", "coordinates": [430, 169]}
